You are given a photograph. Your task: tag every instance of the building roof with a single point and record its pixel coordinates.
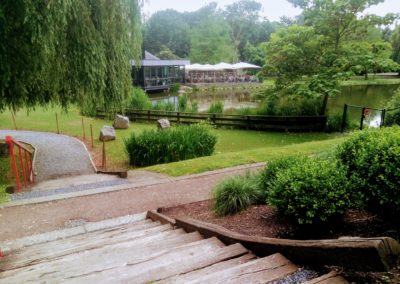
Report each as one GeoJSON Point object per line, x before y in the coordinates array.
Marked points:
{"type": "Point", "coordinates": [221, 66]}
{"type": "Point", "coordinates": [152, 60]}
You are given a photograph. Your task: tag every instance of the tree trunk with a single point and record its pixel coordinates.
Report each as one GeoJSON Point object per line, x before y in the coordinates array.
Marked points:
{"type": "Point", "coordinates": [324, 105]}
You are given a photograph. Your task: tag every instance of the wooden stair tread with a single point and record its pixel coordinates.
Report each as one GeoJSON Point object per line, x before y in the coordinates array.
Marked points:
{"type": "Point", "coordinates": [261, 270]}
{"type": "Point", "coordinates": [192, 275]}
{"type": "Point", "coordinates": [63, 247]}
{"type": "Point", "coordinates": [103, 258]}
{"type": "Point", "coordinates": [173, 262]}
{"type": "Point", "coordinates": [329, 278]}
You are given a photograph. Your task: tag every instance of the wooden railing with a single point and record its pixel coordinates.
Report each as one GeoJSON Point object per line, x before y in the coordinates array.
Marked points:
{"type": "Point", "coordinates": [258, 122]}
{"type": "Point", "coordinates": [21, 164]}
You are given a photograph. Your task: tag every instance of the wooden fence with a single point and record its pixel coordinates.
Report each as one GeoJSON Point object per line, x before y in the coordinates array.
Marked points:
{"type": "Point", "coordinates": [258, 122]}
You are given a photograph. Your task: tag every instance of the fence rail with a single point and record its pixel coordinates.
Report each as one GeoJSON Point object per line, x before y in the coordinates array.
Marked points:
{"type": "Point", "coordinates": [258, 122]}
{"type": "Point", "coordinates": [21, 164]}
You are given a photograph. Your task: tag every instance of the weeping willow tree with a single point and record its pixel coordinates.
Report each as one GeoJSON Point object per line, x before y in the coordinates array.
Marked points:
{"type": "Point", "coordinates": [67, 51]}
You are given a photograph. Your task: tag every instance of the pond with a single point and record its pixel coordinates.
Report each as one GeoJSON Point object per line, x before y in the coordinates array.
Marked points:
{"type": "Point", "coordinates": [373, 96]}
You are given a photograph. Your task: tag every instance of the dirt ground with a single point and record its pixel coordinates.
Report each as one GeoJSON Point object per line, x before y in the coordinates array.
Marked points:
{"type": "Point", "coordinates": [263, 220]}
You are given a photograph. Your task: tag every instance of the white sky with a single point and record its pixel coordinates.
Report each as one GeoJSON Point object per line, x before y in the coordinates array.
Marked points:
{"type": "Point", "coordinates": [272, 9]}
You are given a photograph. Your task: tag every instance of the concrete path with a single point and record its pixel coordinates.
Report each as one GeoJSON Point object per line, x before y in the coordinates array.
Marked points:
{"type": "Point", "coordinates": [147, 191]}
{"type": "Point", "coordinates": [57, 155]}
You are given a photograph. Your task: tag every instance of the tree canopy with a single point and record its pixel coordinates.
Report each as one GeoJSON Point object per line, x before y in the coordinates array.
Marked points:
{"type": "Point", "coordinates": [75, 51]}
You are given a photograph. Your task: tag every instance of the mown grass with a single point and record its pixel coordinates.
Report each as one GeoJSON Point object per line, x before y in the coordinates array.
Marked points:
{"type": "Point", "coordinates": [234, 147]}
{"type": "Point", "coordinates": [230, 159]}
{"type": "Point", "coordinates": [356, 81]}
{"type": "Point", "coordinates": [4, 164]}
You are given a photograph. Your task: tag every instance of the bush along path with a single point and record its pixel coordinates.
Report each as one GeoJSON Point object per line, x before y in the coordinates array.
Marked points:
{"type": "Point", "coordinates": [56, 155]}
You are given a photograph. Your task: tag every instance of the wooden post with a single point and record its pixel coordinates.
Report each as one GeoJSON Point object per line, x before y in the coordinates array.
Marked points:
{"type": "Point", "coordinates": [83, 129]}
{"type": "Point", "coordinates": [58, 128]}
{"type": "Point", "coordinates": [344, 117]}
{"type": "Point", "coordinates": [104, 161]}
{"type": "Point", "coordinates": [362, 118]}
{"type": "Point", "coordinates": [91, 135]}
{"type": "Point", "coordinates": [383, 115]}
{"type": "Point", "coordinates": [13, 118]}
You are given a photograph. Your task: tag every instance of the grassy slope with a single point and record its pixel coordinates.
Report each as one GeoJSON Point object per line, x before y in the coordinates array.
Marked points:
{"type": "Point", "coordinates": [4, 164]}
{"type": "Point", "coordinates": [229, 159]}
{"type": "Point", "coordinates": [234, 147]}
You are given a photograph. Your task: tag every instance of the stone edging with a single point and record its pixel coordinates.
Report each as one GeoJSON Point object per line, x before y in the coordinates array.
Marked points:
{"type": "Point", "coordinates": [365, 254]}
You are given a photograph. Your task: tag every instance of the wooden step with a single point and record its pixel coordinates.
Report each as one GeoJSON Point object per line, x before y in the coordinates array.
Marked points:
{"type": "Point", "coordinates": [261, 270]}
{"type": "Point", "coordinates": [100, 259]}
{"type": "Point", "coordinates": [56, 249]}
{"type": "Point", "coordinates": [173, 262]}
{"type": "Point", "coordinates": [198, 273]}
{"type": "Point", "coordinates": [330, 278]}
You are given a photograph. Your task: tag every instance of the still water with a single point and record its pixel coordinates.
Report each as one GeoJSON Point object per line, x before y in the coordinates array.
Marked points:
{"type": "Point", "coordinates": [373, 96]}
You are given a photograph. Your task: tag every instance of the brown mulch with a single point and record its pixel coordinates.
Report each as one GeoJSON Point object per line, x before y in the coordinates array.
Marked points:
{"type": "Point", "coordinates": [264, 220]}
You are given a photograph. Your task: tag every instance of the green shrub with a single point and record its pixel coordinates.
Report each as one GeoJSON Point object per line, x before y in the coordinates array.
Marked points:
{"type": "Point", "coordinates": [273, 167]}
{"type": "Point", "coordinates": [372, 159]}
{"type": "Point", "coordinates": [182, 103]}
{"type": "Point", "coordinates": [176, 144]}
{"type": "Point", "coordinates": [174, 88]}
{"type": "Point", "coordinates": [311, 191]}
{"type": "Point", "coordinates": [393, 115]}
{"type": "Point", "coordinates": [235, 194]}
{"type": "Point", "coordinates": [247, 111]}
{"type": "Point", "coordinates": [163, 105]}
{"type": "Point", "coordinates": [217, 107]}
{"type": "Point", "coordinates": [194, 107]}
{"type": "Point", "coordinates": [334, 123]}
{"type": "Point", "coordinates": [139, 100]}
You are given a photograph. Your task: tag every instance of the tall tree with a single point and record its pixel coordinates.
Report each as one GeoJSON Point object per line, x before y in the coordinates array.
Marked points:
{"type": "Point", "coordinates": [167, 29]}
{"type": "Point", "coordinates": [211, 42]}
{"type": "Point", "coordinates": [304, 68]}
{"type": "Point", "coordinates": [242, 17]}
{"type": "Point", "coordinates": [339, 20]}
{"type": "Point", "coordinates": [75, 51]}
{"type": "Point", "coordinates": [395, 40]}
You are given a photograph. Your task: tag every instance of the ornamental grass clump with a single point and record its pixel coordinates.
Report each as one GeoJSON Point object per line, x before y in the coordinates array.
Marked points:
{"type": "Point", "coordinates": [372, 161]}
{"type": "Point", "coordinates": [311, 191]}
{"type": "Point", "coordinates": [175, 144]}
{"type": "Point", "coordinates": [236, 194]}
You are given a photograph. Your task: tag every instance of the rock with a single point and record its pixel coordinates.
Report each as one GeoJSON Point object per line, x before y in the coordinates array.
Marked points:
{"type": "Point", "coordinates": [163, 124]}
{"type": "Point", "coordinates": [121, 122]}
{"type": "Point", "coordinates": [107, 133]}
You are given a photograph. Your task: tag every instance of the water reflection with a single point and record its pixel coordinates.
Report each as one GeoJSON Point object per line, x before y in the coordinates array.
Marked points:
{"type": "Point", "coordinates": [374, 96]}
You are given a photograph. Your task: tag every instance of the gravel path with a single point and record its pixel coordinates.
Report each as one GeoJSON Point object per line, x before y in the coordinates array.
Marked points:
{"type": "Point", "coordinates": [56, 155]}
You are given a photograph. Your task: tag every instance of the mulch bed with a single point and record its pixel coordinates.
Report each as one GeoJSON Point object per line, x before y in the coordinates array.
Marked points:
{"type": "Point", "coordinates": [264, 220]}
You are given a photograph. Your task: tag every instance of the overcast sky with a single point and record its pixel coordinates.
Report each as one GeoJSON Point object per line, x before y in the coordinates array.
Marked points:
{"type": "Point", "coordinates": [272, 9]}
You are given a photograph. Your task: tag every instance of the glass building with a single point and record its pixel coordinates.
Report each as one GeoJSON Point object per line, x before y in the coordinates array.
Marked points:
{"type": "Point", "coordinates": [157, 74]}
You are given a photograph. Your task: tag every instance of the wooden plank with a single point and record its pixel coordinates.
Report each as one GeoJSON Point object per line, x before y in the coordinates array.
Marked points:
{"type": "Point", "coordinates": [100, 259]}
{"type": "Point", "coordinates": [330, 278]}
{"type": "Point", "coordinates": [262, 270]}
{"type": "Point", "coordinates": [192, 275]}
{"type": "Point", "coordinates": [179, 260]}
{"type": "Point", "coordinates": [56, 249]}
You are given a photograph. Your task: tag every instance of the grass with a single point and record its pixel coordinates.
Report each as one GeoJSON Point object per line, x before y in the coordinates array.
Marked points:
{"type": "Point", "coordinates": [234, 147]}
{"type": "Point", "coordinates": [4, 182]}
{"type": "Point", "coordinates": [356, 81]}
{"type": "Point", "coordinates": [230, 159]}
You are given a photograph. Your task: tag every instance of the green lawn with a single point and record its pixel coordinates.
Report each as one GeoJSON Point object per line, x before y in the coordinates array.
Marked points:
{"type": "Point", "coordinates": [4, 182]}
{"type": "Point", "coordinates": [230, 159]}
{"type": "Point", "coordinates": [234, 147]}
